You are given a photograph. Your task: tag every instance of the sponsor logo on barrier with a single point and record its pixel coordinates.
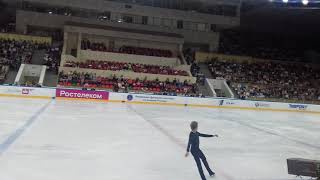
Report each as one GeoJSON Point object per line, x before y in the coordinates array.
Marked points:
{"type": "Point", "coordinates": [151, 98]}
{"type": "Point", "coordinates": [129, 97]}
{"type": "Point", "coordinates": [259, 104]}
{"type": "Point", "coordinates": [224, 102]}
{"type": "Point", "coordinates": [26, 91]}
{"type": "Point", "coordinates": [298, 106]}
{"type": "Point", "coordinates": [230, 103]}
{"type": "Point", "coordinates": [81, 94]}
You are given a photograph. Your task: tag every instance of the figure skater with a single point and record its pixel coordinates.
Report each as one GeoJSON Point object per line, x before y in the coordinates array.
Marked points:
{"type": "Point", "coordinates": [193, 144]}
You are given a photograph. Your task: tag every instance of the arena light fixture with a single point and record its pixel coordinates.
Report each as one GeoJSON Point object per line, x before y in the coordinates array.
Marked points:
{"type": "Point", "coordinates": [305, 2]}
{"type": "Point", "coordinates": [285, 1]}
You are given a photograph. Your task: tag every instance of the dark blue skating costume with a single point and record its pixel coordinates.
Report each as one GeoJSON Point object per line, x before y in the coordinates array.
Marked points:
{"type": "Point", "coordinates": [197, 153]}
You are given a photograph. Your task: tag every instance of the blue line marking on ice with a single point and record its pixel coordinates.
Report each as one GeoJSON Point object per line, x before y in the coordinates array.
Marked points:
{"type": "Point", "coordinates": [4, 146]}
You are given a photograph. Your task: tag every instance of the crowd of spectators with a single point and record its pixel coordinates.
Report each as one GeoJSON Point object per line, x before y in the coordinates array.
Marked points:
{"type": "Point", "coordinates": [86, 44]}
{"type": "Point", "coordinates": [52, 58]}
{"type": "Point", "coordinates": [120, 84]}
{"type": "Point", "coordinates": [270, 79]}
{"type": "Point", "coordinates": [118, 66]}
{"type": "Point", "coordinates": [13, 53]}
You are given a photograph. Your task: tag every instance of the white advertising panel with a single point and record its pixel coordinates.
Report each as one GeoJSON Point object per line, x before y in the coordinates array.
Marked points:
{"type": "Point", "coordinates": [170, 100]}
{"type": "Point", "coordinates": [27, 91]}
{"type": "Point", "coordinates": [155, 99]}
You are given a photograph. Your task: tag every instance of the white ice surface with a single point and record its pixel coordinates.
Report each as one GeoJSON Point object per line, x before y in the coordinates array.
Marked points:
{"type": "Point", "coordinates": [110, 141]}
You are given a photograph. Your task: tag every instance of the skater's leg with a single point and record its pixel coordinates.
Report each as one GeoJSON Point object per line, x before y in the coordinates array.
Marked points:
{"type": "Point", "coordinates": [198, 162]}
{"type": "Point", "coordinates": [204, 160]}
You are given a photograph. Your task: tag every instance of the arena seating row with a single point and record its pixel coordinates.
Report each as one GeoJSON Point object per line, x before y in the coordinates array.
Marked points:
{"type": "Point", "coordinates": [118, 66]}
{"type": "Point", "coordinates": [270, 79]}
{"type": "Point", "coordinates": [86, 44]}
{"type": "Point", "coordinates": [145, 51]}
{"type": "Point", "coordinates": [90, 80]}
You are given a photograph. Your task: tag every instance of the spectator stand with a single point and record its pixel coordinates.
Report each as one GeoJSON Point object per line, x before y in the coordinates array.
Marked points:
{"type": "Point", "coordinates": [90, 80]}
{"type": "Point", "coordinates": [257, 79]}
{"type": "Point", "coordinates": [122, 45]}
{"type": "Point", "coordinates": [150, 57]}
{"type": "Point", "coordinates": [120, 66]}
{"type": "Point", "coordinates": [130, 74]}
{"type": "Point", "coordinates": [127, 69]}
{"type": "Point", "coordinates": [16, 49]}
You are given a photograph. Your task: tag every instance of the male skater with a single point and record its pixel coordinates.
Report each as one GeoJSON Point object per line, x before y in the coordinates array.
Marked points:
{"type": "Point", "coordinates": [195, 150]}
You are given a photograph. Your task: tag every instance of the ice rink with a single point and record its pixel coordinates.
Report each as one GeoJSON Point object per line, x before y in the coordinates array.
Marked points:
{"type": "Point", "coordinates": [73, 140]}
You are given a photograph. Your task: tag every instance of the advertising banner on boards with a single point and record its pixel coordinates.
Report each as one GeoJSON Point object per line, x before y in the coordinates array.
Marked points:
{"type": "Point", "coordinates": [82, 94]}
{"type": "Point", "coordinates": [27, 91]}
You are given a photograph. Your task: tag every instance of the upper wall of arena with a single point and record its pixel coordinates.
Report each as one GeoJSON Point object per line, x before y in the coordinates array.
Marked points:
{"type": "Point", "coordinates": [206, 57]}
{"type": "Point", "coordinates": [197, 28]}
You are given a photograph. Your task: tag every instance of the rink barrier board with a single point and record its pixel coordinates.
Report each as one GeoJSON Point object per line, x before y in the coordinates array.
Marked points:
{"type": "Point", "coordinates": [27, 97]}
{"type": "Point", "coordinates": [223, 107]}
{"type": "Point", "coordinates": [163, 104]}
{"type": "Point", "coordinates": [27, 92]}
{"type": "Point", "coordinates": [217, 103]}
{"type": "Point", "coordinates": [158, 103]}
{"type": "Point", "coordinates": [195, 105]}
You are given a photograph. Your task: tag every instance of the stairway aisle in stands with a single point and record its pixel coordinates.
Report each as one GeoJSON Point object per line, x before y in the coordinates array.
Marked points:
{"type": "Point", "coordinates": [205, 70]}
{"type": "Point", "coordinates": [51, 78]}
{"type": "Point", "coordinates": [202, 88]}
{"type": "Point", "coordinates": [38, 57]}
{"type": "Point", "coordinates": [11, 76]}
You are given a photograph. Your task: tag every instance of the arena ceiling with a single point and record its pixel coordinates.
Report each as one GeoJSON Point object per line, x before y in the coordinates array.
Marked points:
{"type": "Point", "coordinates": [267, 16]}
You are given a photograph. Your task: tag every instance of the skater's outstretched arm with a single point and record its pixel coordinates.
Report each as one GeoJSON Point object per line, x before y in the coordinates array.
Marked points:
{"type": "Point", "coordinates": [207, 135]}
